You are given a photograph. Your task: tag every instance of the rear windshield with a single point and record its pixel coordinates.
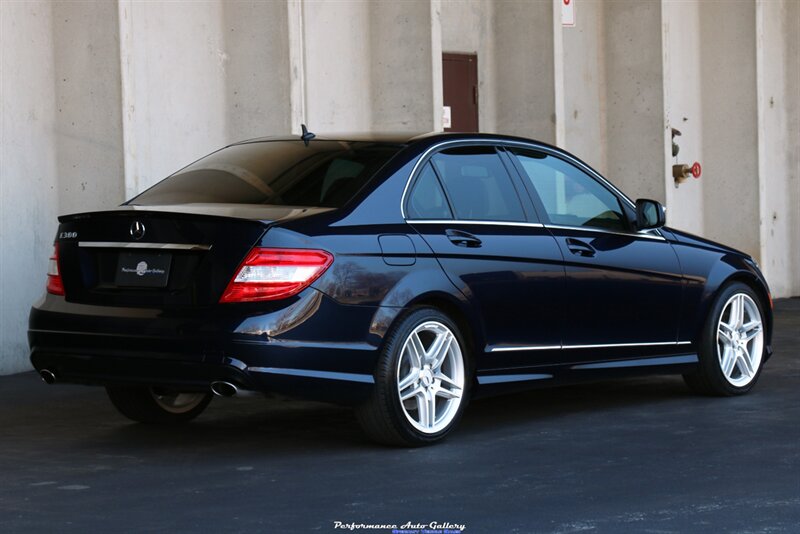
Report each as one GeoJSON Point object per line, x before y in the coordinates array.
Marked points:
{"type": "Point", "coordinates": [282, 173]}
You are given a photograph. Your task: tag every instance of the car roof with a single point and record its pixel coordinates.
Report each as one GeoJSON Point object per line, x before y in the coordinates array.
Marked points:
{"type": "Point", "coordinates": [405, 138]}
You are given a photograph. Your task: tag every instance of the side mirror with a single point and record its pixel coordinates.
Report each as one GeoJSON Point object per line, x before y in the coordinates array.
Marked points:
{"type": "Point", "coordinates": [649, 214]}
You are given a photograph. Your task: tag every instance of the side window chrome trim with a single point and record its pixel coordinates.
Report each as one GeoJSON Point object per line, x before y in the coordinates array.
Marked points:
{"type": "Point", "coordinates": [533, 225]}
{"type": "Point", "coordinates": [505, 143]}
{"type": "Point", "coordinates": [467, 221]}
{"type": "Point", "coordinates": [603, 231]}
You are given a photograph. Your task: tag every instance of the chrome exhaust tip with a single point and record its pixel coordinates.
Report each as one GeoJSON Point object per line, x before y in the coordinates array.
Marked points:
{"type": "Point", "coordinates": [224, 389]}
{"type": "Point", "coordinates": [48, 376]}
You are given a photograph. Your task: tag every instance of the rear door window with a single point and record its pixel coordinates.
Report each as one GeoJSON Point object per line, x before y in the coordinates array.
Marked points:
{"type": "Point", "coordinates": [427, 199]}
{"type": "Point", "coordinates": [478, 185]}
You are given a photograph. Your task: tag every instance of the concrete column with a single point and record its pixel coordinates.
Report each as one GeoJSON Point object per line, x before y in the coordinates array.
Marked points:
{"type": "Point", "coordinates": [257, 71]}
{"type": "Point", "coordinates": [405, 83]}
{"type": "Point", "coordinates": [174, 90]}
{"type": "Point", "coordinates": [778, 98]}
{"type": "Point", "coordinates": [28, 169]}
{"type": "Point", "coordinates": [635, 125]}
{"type": "Point", "coordinates": [683, 90]}
{"type": "Point", "coordinates": [793, 107]}
{"type": "Point", "coordinates": [730, 124]}
{"type": "Point", "coordinates": [88, 130]}
{"type": "Point", "coordinates": [297, 68]}
{"type": "Point", "coordinates": [336, 62]}
{"type": "Point", "coordinates": [584, 88]}
{"type": "Point", "coordinates": [525, 71]}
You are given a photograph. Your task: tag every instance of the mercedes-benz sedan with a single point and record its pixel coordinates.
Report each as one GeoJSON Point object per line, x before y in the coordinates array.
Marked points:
{"type": "Point", "coordinates": [400, 275]}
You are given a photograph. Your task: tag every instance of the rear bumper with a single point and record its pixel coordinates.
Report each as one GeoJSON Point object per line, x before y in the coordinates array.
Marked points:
{"type": "Point", "coordinates": [311, 348]}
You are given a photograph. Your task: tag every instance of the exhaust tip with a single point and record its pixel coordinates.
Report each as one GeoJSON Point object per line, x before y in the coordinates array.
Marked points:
{"type": "Point", "coordinates": [224, 389]}
{"type": "Point", "coordinates": [48, 376]}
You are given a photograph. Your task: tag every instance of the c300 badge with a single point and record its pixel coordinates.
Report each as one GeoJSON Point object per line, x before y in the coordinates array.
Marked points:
{"type": "Point", "coordinates": [67, 235]}
{"type": "Point", "coordinates": [137, 230]}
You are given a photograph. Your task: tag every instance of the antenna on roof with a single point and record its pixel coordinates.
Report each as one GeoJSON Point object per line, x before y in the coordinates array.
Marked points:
{"type": "Point", "coordinates": [307, 136]}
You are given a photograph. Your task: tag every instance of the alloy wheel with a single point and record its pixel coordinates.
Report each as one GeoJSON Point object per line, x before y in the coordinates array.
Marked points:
{"type": "Point", "coordinates": [740, 340]}
{"type": "Point", "coordinates": [430, 377]}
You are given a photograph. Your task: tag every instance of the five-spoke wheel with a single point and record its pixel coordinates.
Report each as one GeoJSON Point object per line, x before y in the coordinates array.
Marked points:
{"type": "Point", "coordinates": [731, 349]}
{"type": "Point", "coordinates": [740, 339]}
{"type": "Point", "coordinates": [421, 382]}
{"type": "Point", "coordinates": [430, 377]}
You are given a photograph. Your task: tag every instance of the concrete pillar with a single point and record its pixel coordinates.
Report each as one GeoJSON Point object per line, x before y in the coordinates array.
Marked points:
{"type": "Point", "coordinates": [584, 67]}
{"type": "Point", "coordinates": [793, 141]}
{"type": "Point", "coordinates": [683, 88]}
{"type": "Point", "coordinates": [257, 71]}
{"type": "Point", "coordinates": [405, 82]}
{"type": "Point", "coordinates": [525, 71]}
{"type": "Point", "coordinates": [173, 86]}
{"type": "Point", "coordinates": [730, 124]}
{"type": "Point", "coordinates": [635, 125]}
{"type": "Point", "coordinates": [28, 169]}
{"type": "Point", "coordinates": [778, 97]}
{"type": "Point", "coordinates": [88, 130]}
{"type": "Point", "coordinates": [336, 62]}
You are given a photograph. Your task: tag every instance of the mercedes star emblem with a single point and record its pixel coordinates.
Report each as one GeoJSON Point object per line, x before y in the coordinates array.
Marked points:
{"type": "Point", "coordinates": [137, 230]}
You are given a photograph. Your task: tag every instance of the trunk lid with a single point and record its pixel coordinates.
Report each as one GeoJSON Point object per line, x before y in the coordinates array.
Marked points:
{"type": "Point", "coordinates": [179, 256]}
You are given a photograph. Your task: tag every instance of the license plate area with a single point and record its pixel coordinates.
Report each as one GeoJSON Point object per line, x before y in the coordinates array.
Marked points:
{"type": "Point", "coordinates": [143, 269]}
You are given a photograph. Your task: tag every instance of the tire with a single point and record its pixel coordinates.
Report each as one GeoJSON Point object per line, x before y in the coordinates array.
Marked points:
{"type": "Point", "coordinates": [731, 346]}
{"type": "Point", "coordinates": [148, 405]}
{"type": "Point", "coordinates": [436, 385]}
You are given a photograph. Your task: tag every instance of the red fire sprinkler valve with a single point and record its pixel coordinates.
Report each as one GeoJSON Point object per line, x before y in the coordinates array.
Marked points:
{"type": "Point", "coordinates": [681, 172]}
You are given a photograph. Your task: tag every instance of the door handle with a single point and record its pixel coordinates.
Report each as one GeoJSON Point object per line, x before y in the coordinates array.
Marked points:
{"type": "Point", "coordinates": [462, 239]}
{"type": "Point", "coordinates": [580, 248]}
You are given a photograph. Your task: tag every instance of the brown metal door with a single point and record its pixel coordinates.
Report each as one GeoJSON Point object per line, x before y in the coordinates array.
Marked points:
{"type": "Point", "coordinates": [460, 80]}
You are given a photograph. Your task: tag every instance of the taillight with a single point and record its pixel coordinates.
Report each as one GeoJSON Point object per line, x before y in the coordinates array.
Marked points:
{"type": "Point", "coordinates": [55, 284]}
{"type": "Point", "coordinates": [276, 273]}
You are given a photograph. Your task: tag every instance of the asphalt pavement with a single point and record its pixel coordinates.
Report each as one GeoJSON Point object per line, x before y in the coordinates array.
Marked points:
{"type": "Point", "coordinates": [638, 455]}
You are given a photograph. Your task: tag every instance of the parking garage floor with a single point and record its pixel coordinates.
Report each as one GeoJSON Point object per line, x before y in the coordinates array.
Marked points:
{"type": "Point", "coordinates": [638, 455]}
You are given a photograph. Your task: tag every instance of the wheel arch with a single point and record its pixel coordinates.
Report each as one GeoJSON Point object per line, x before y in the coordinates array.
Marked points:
{"type": "Point", "coordinates": [468, 324]}
{"type": "Point", "coordinates": [718, 280]}
{"type": "Point", "coordinates": [458, 309]}
{"type": "Point", "coordinates": [750, 280]}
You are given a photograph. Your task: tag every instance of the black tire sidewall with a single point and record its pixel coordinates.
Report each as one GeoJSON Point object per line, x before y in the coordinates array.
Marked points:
{"type": "Point", "coordinates": [138, 404]}
{"type": "Point", "coordinates": [386, 378]}
{"type": "Point", "coordinates": [709, 361]}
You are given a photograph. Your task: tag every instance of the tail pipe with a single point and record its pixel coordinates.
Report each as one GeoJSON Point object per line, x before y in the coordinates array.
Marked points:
{"type": "Point", "coordinates": [224, 389]}
{"type": "Point", "coordinates": [48, 376]}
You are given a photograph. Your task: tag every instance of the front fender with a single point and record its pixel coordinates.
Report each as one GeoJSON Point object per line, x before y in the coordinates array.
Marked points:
{"type": "Point", "coordinates": [706, 271]}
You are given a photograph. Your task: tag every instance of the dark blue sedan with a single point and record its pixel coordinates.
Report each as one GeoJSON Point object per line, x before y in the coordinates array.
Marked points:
{"type": "Point", "coordinates": [400, 275]}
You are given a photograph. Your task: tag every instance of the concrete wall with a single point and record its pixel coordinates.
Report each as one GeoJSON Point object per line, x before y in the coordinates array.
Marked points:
{"type": "Point", "coordinates": [778, 96]}
{"type": "Point", "coordinates": [683, 91]}
{"type": "Point", "coordinates": [257, 86]}
{"type": "Point", "coordinates": [585, 86]}
{"type": "Point", "coordinates": [29, 188]}
{"type": "Point", "coordinates": [467, 29]}
{"type": "Point", "coordinates": [100, 99]}
{"type": "Point", "coordinates": [175, 64]}
{"type": "Point", "coordinates": [88, 106]}
{"type": "Point", "coordinates": [730, 124]}
{"type": "Point", "coordinates": [406, 65]}
{"type": "Point", "coordinates": [337, 69]}
{"type": "Point", "coordinates": [524, 69]}
{"type": "Point", "coordinates": [635, 97]}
